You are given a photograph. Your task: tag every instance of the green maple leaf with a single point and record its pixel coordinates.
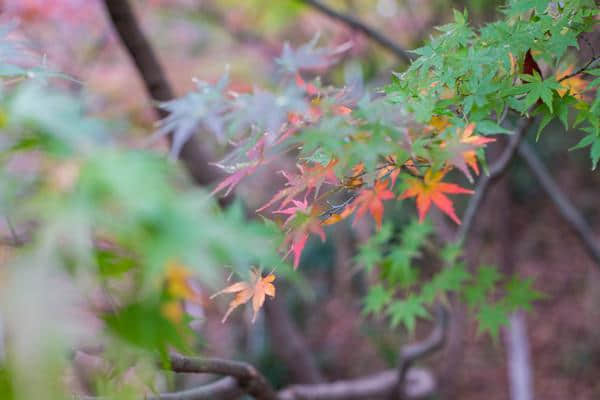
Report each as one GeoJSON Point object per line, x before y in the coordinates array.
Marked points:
{"type": "Point", "coordinates": [484, 282]}
{"type": "Point", "coordinates": [520, 294]}
{"type": "Point", "coordinates": [377, 298]}
{"type": "Point", "coordinates": [407, 311]}
{"type": "Point", "coordinates": [490, 318]}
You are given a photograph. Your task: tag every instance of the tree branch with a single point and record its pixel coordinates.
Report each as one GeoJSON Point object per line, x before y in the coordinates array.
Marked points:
{"type": "Point", "coordinates": [495, 171]}
{"type": "Point", "coordinates": [562, 203]}
{"type": "Point", "coordinates": [249, 379]}
{"type": "Point", "coordinates": [413, 383]}
{"type": "Point", "coordinates": [223, 389]}
{"type": "Point", "coordinates": [289, 346]}
{"type": "Point", "coordinates": [358, 25]}
{"type": "Point", "coordinates": [414, 352]}
{"type": "Point", "coordinates": [156, 84]}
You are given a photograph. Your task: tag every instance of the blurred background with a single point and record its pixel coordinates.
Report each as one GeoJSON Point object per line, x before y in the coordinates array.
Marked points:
{"type": "Point", "coordinates": [518, 229]}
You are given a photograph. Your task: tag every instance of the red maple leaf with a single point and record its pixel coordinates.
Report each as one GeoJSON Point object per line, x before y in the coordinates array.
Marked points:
{"type": "Point", "coordinates": [302, 221]}
{"type": "Point", "coordinates": [310, 178]}
{"type": "Point", "coordinates": [256, 158]}
{"type": "Point", "coordinates": [372, 200]}
{"type": "Point", "coordinates": [431, 189]}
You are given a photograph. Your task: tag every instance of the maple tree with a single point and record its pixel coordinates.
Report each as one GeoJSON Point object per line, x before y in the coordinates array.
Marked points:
{"type": "Point", "coordinates": [124, 231]}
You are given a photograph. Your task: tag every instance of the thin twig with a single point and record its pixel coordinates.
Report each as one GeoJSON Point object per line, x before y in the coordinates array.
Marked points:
{"type": "Point", "coordinates": [562, 203]}
{"type": "Point", "coordinates": [368, 31]}
{"type": "Point", "coordinates": [580, 70]}
{"type": "Point", "coordinates": [13, 233]}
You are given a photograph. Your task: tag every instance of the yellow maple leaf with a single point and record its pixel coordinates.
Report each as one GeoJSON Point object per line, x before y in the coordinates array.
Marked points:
{"type": "Point", "coordinates": [256, 289]}
{"type": "Point", "coordinates": [173, 311]}
{"type": "Point", "coordinates": [438, 123]}
{"type": "Point", "coordinates": [177, 280]}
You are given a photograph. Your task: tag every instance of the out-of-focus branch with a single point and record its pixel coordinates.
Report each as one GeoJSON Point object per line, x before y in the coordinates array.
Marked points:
{"type": "Point", "coordinates": [248, 378]}
{"type": "Point", "coordinates": [358, 25]}
{"type": "Point", "coordinates": [518, 358]}
{"type": "Point", "coordinates": [420, 384]}
{"type": "Point", "coordinates": [495, 171]}
{"type": "Point", "coordinates": [197, 163]}
{"type": "Point", "coordinates": [155, 81]}
{"type": "Point", "coordinates": [419, 350]}
{"type": "Point", "coordinates": [562, 203]}
{"type": "Point", "coordinates": [222, 389]}
{"type": "Point", "coordinates": [412, 383]}
{"type": "Point", "coordinates": [289, 346]}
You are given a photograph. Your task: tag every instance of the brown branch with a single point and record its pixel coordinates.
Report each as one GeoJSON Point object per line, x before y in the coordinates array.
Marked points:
{"type": "Point", "coordinates": [496, 170]}
{"type": "Point", "coordinates": [249, 379]}
{"type": "Point", "coordinates": [377, 385]}
{"type": "Point", "coordinates": [290, 346]}
{"type": "Point", "coordinates": [223, 389]}
{"type": "Point", "coordinates": [156, 84]}
{"type": "Point", "coordinates": [419, 350]}
{"type": "Point", "coordinates": [358, 25]}
{"type": "Point", "coordinates": [580, 70]}
{"type": "Point", "coordinates": [562, 203]}
{"type": "Point", "coordinates": [413, 383]}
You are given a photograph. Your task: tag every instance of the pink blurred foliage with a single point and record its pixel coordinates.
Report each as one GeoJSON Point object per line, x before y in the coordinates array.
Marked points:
{"type": "Point", "coordinates": [78, 11]}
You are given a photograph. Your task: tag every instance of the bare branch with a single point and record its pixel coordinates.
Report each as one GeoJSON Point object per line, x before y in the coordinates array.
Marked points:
{"type": "Point", "coordinates": [368, 31]}
{"type": "Point", "coordinates": [223, 389]}
{"type": "Point", "coordinates": [419, 384]}
{"type": "Point", "coordinates": [289, 345]}
{"type": "Point", "coordinates": [518, 358]}
{"type": "Point", "coordinates": [582, 69]}
{"type": "Point", "coordinates": [248, 378]}
{"type": "Point", "coordinates": [496, 170]}
{"type": "Point", "coordinates": [410, 354]}
{"type": "Point", "coordinates": [155, 81]}
{"type": "Point", "coordinates": [564, 206]}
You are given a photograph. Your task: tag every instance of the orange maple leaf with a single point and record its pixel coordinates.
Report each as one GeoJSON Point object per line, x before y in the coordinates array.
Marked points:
{"type": "Point", "coordinates": [431, 189]}
{"type": "Point", "coordinates": [467, 138]}
{"type": "Point", "coordinates": [574, 85]}
{"type": "Point", "coordinates": [256, 289]}
{"type": "Point", "coordinates": [372, 200]}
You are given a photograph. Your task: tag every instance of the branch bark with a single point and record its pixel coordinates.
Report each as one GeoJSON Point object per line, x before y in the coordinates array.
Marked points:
{"type": "Point", "coordinates": [248, 378]}
{"type": "Point", "coordinates": [366, 30]}
{"type": "Point", "coordinates": [496, 170]}
{"type": "Point", "coordinates": [562, 203]}
{"type": "Point", "coordinates": [289, 346]}
{"type": "Point", "coordinates": [410, 354]}
{"type": "Point", "coordinates": [157, 86]}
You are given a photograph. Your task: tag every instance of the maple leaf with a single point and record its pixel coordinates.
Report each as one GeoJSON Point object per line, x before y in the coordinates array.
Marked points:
{"type": "Point", "coordinates": [302, 221]}
{"type": "Point", "coordinates": [310, 178]}
{"type": "Point", "coordinates": [372, 200]}
{"type": "Point", "coordinates": [256, 159]}
{"type": "Point", "coordinates": [389, 170]}
{"type": "Point", "coordinates": [574, 85]}
{"type": "Point", "coordinates": [310, 89]}
{"type": "Point", "coordinates": [464, 145]}
{"type": "Point", "coordinates": [355, 180]}
{"type": "Point", "coordinates": [177, 279]}
{"type": "Point", "coordinates": [256, 289]}
{"type": "Point", "coordinates": [431, 189]}
{"type": "Point", "coordinates": [530, 65]}
{"type": "Point", "coordinates": [438, 123]}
